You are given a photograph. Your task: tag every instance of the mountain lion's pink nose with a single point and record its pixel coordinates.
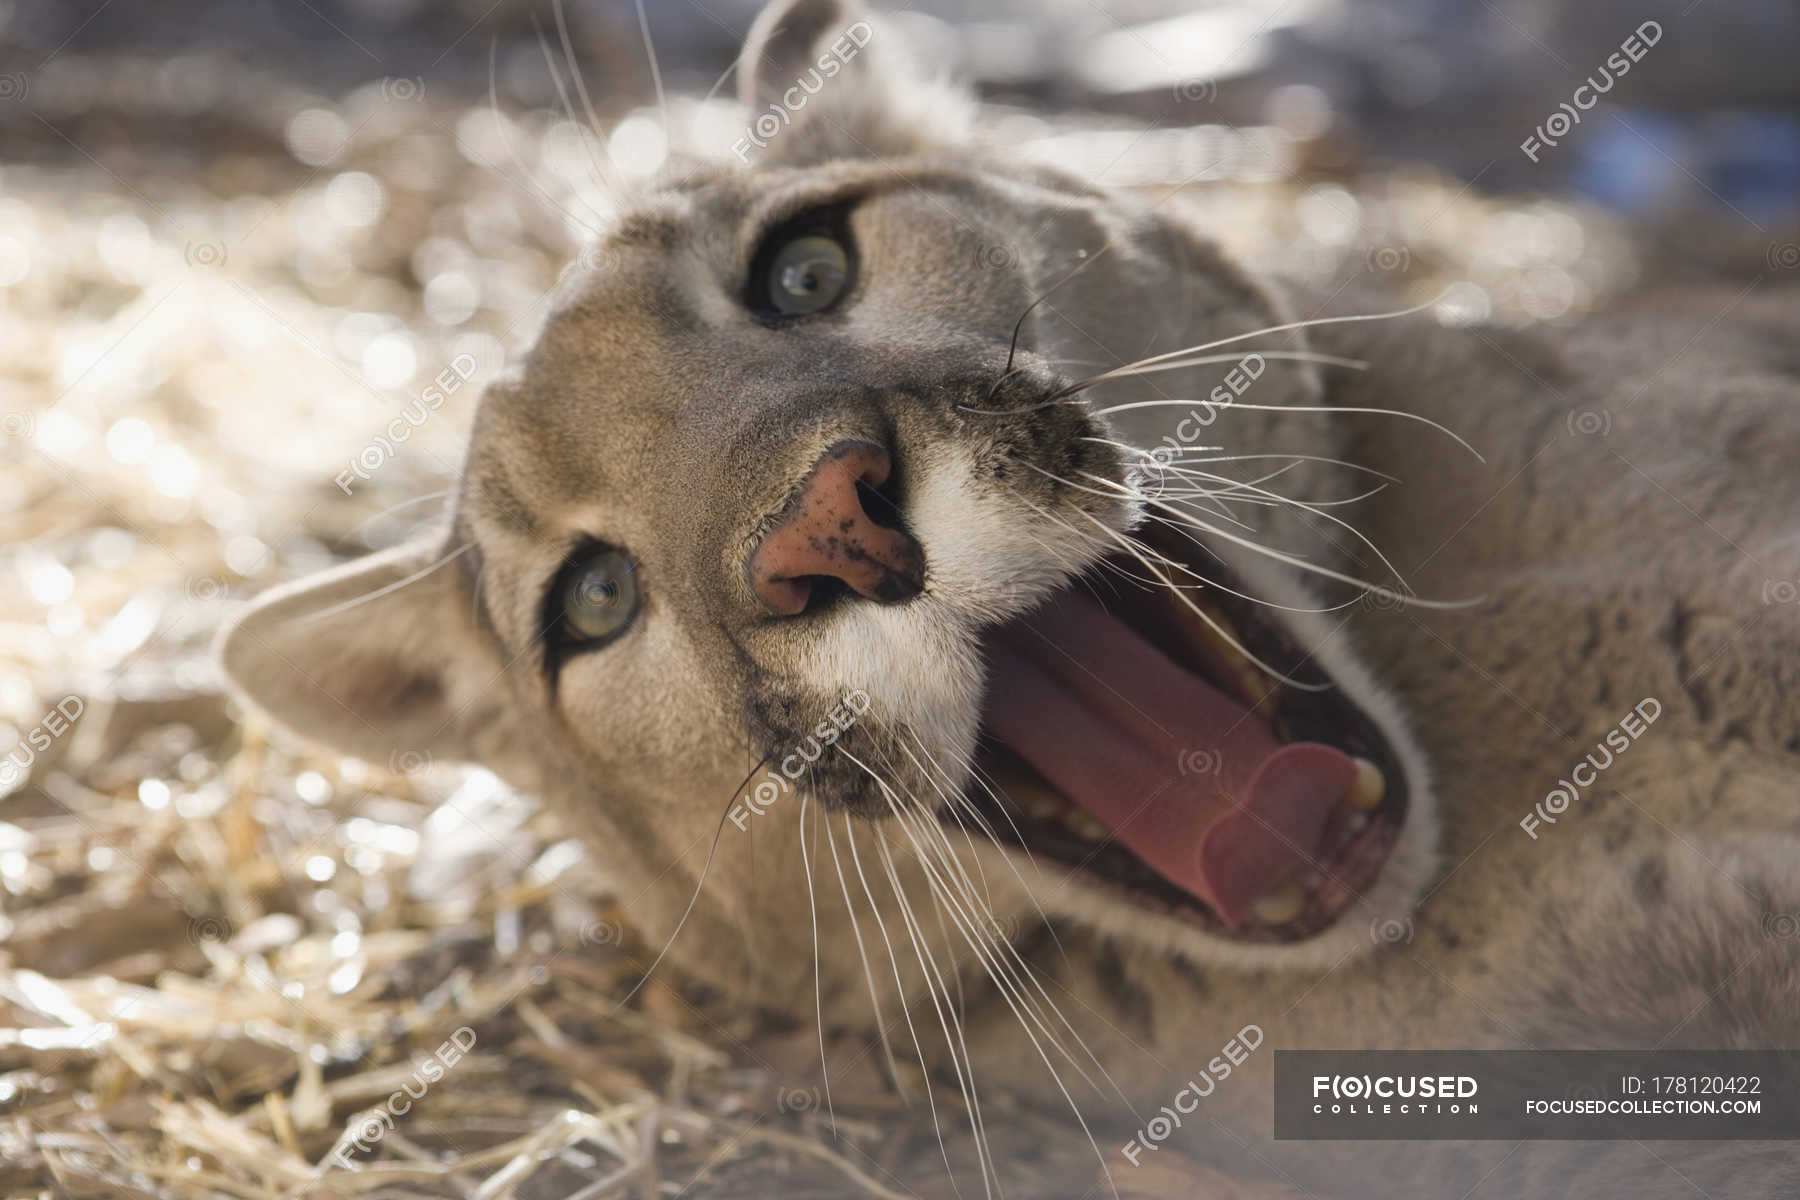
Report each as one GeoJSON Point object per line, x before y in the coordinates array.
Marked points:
{"type": "Point", "coordinates": [827, 533]}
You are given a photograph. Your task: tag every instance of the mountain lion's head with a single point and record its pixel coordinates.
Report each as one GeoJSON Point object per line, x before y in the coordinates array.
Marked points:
{"type": "Point", "coordinates": [804, 547]}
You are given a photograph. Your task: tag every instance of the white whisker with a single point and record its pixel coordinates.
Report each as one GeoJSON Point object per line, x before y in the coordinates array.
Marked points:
{"type": "Point", "coordinates": [387, 589]}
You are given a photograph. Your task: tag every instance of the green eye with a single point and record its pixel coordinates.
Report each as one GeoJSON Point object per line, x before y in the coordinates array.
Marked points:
{"type": "Point", "coordinates": [599, 596]}
{"type": "Point", "coordinates": [806, 275]}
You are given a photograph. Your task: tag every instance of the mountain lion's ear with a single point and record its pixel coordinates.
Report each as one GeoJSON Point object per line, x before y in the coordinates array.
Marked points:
{"type": "Point", "coordinates": [824, 80]}
{"type": "Point", "coordinates": [379, 659]}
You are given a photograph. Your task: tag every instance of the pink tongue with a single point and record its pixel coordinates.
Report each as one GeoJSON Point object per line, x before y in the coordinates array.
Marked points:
{"type": "Point", "coordinates": [1192, 781]}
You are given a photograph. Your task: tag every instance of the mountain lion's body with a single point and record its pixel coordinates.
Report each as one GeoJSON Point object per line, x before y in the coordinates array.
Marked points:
{"type": "Point", "coordinates": [1633, 535]}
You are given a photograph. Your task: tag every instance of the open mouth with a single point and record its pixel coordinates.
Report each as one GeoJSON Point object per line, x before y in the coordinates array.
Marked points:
{"type": "Point", "coordinates": [1127, 739]}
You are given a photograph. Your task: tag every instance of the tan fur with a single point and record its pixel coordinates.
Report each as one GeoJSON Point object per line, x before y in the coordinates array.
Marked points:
{"type": "Point", "coordinates": [654, 413]}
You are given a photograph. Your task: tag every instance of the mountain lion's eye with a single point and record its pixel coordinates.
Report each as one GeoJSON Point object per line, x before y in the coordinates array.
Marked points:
{"type": "Point", "coordinates": [596, 597]}
{"type": "Point", "coordinates": [805, 275]}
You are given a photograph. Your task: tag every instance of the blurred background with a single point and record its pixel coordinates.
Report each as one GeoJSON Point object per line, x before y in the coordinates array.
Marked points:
{"type": "Point", "coordinates": [240, 238]}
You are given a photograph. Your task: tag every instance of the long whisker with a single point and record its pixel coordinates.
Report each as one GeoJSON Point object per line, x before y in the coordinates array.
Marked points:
{"type": "Point", "coordinates": [1006, 993]}
{"type": "Point", "coordinates": [705, 870]}
{"type": "Point", "coordinates": [587, 104]}
{"type": "Point", "coordinates": [900, 991]}
{"type": "Point", "coordinates": [390, 511]}
{"type": "Point", "coordinates": [1301, 408]}
{"type": "Point", "coordinates": [1186, 458]}
{"type": "Point", "coordinates": [1313, 323]}
{"type": "Point", "coordinates": [1134, 370]}
{"type": "Point", "coordinates": [933, 981]}
{"type": "Point", "coordinates": [818, 964]}
{"type": "Point", "coordinates": [887, 1051]}
{"type": "Point", "coordinates": [386, 589]}
{"type": "Point", "coordinates": [590, 135]}
{"type": "Point", "coordinates": [662, 101]}
{"type": "Point", "coordinates": [1269, 552]}
{"type": "Point", "coordinates": [1066, 394]}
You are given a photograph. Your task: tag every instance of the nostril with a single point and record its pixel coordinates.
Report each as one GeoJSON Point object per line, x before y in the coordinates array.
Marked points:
{"type": "Point", "coordinates": [842, 533]}
{"type": "Point", "coordinates": [880, 503]}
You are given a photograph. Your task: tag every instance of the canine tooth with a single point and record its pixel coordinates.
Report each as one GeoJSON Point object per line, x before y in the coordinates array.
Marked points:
{"type": "Point", "coordinates": [1280, 904]}
{"type": "Point", "coordinates": [1367, 787]}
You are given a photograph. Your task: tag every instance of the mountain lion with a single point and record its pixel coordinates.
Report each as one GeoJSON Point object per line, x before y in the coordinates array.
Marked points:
{"type": "Point", "coordinates": [967, 607]}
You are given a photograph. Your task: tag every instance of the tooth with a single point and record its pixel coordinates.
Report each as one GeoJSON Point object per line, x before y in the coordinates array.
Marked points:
{"type": "Point", "coordinates": [1087, 825]}
{"type": "Point", "coordinates": [1367, 787]}
{"type": "Point", "coordinates": [1280, 904]}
